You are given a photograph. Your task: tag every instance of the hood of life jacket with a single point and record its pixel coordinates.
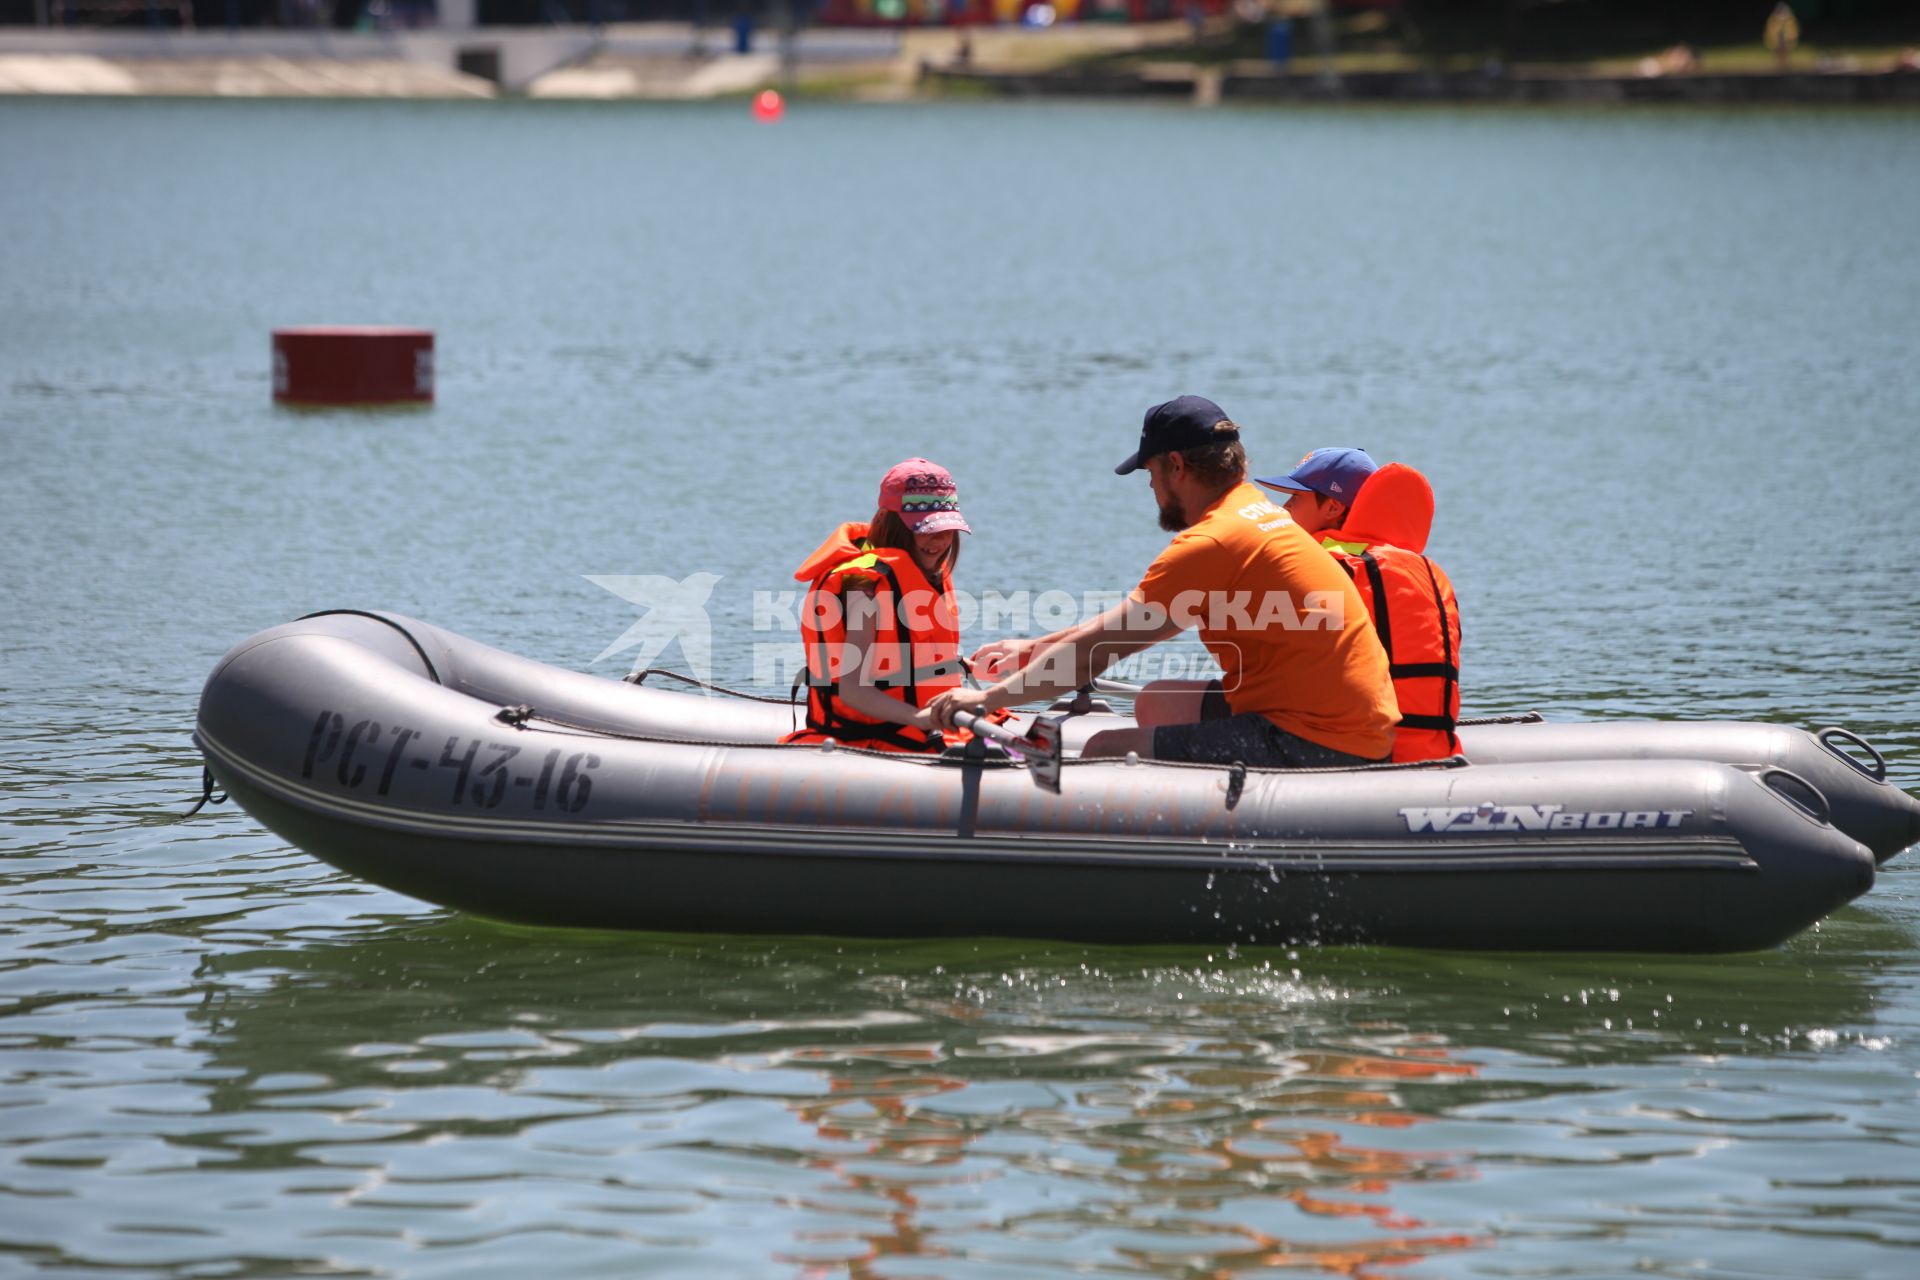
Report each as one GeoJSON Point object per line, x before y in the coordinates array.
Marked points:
{"type": "Point", "coordinates": [1395, 507]}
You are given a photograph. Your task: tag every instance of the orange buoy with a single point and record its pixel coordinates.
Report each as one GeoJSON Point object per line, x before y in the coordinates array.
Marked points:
{"type": "Point", "coordinates": [353, 364]}
{"type": "Point", "coordinates": [768, 106]}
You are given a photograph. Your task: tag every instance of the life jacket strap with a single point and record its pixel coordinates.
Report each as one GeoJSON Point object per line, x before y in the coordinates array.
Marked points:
{"type": "Point", "coordinates": [1447, 623]}
{"type": "Point", "coordinates": [820, 696]}
{"type": "Point", "coordinates": [1382, 614]}
{"type": "Point", "coordinates": [1419, 670]}
{"type": "Point", "coordinates": [918, 676]}
{"type": "Point", "coordinates": [897, 735]}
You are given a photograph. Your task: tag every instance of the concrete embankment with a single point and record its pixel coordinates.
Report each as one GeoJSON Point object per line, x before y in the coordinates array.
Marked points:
{"type": "Point", "coordinates": [251, 75]}
{"type": "Point", "coordinates": [639, 60]}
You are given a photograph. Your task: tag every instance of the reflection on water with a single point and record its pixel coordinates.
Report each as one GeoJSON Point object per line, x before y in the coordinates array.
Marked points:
{"type": "Point", "coordinates": [1166, 1168]}
{"type": "Point", "coordinates": [474, 1091]}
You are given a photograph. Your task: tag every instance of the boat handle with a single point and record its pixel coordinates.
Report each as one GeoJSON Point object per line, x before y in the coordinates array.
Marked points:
{"type": "Point", "coordinates": [1879, 770]}
{"type": "Point", "coordinates": [1821, 812]}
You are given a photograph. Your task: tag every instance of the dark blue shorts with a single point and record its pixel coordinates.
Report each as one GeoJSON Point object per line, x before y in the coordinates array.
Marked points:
{"type": "Point", "coordinates": [1221, 737]}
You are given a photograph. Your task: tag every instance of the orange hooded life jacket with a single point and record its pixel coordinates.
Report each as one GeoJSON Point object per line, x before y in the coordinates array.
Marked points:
{"type": "Point", "coordinates": [1412, 603]}
{"type": "Point", "coordinates": [915, 648]}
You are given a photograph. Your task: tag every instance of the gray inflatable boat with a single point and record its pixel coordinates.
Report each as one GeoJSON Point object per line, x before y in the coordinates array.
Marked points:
{"type": "Point", "coordinates": [466, 776]}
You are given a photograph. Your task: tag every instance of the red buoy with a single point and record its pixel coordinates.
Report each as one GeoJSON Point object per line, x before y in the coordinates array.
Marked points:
{"type": "Point", "coordinates": [353, 364]}
{"type": "Point", "coordinates": [768, 106]}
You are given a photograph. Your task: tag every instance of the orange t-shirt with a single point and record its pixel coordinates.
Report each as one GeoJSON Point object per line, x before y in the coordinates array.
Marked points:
{"type": "Point", "coordinates": [1282, 619]}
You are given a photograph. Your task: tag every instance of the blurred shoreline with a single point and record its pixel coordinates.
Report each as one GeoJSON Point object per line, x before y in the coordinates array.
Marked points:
{"type": "Point", "coordinates": [681, 62]}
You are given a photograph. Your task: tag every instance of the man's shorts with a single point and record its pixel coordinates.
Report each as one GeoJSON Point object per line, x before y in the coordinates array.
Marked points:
{"type": "Point", "coordinates": [1221, 737]}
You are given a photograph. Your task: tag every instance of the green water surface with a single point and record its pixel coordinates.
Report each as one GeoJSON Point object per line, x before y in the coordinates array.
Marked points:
{"type": "Point", "coordinates": [1660, 367]}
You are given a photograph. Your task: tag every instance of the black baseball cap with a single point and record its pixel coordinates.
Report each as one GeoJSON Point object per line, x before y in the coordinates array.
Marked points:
{"type": "Point", "coordinates": [1185, 423]}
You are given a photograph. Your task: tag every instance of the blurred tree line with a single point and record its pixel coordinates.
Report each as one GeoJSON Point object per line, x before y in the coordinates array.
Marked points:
{"type": "Point", "coordinates": [1517, 29]}
{"type": "Point", "coordinates": [1547, 30]}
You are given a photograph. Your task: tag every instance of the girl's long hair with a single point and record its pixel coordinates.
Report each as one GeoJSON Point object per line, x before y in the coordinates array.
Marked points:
{"type": "Point", "coordinates": [889, 530]}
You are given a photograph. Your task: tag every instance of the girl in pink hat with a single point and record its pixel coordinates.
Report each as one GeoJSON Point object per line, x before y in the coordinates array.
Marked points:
{"type": "Point", "coordinates": [881, 630]}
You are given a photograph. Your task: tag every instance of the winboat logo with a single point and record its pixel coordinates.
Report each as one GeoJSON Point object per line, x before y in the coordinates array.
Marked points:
{"type": "Point", "coordinates": [675, 609]}
{"type": "Point", "coordinates": [1489, 816]}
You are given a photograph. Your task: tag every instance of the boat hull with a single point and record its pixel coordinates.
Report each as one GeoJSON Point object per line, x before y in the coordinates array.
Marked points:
{"type": "Point", "coordinates": [1844, 769]}
{"type": "Point", "coordinates": [1848, 774]}
{"type": "Point", "coordinates": [377, 744]}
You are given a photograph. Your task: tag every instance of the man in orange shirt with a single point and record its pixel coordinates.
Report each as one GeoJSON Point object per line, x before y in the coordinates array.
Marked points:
{"type": "Point", "coordinates": [1304, 679]}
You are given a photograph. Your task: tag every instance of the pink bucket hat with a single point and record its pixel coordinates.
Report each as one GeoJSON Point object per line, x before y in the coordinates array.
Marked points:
{"type": "Point", "coordinates": [924, 494]}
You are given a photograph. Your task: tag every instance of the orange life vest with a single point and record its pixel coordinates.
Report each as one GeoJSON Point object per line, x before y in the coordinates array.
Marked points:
{"type": "Point", "coordinates": [1412, 604]}
{"type": "Point", "coordinates": [915, 648]}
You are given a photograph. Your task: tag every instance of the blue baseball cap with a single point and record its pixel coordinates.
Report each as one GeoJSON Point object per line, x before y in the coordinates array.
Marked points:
{"type": "Point", "coordinates": [1186, 422]}
{"type": "Point", "coordinates": [1332, 473]}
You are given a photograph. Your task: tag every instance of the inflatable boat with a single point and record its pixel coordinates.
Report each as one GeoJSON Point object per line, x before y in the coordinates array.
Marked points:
{"type": "Point", "coordinates": [469, 777]}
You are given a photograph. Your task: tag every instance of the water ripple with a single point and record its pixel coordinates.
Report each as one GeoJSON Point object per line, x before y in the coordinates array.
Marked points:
{"type": "Point", "coordinates": [221, 1058]}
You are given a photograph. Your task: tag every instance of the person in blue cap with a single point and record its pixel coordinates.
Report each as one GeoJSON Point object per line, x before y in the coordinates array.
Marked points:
{"type": "Point", "coordinates": [1304, 679]}
{"type": "Point", "coordinates": [1375, 522]}
{"type": "Point", "coordinates": [1323, 486]}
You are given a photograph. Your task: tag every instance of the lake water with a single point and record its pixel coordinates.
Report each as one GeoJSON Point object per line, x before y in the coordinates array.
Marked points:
{"type": "Point", "coordinates": [1659, 366]}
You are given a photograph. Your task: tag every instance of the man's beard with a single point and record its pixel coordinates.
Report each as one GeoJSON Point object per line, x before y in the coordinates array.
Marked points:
{"type": "Point", "coordinates": [1173, 516]}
